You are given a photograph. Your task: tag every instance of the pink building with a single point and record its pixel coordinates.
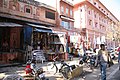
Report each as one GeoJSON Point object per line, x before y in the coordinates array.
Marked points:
{"type": "Point", "coordinates": [94, 21]}
{"type": "Point", "coordinates": [23, 22]}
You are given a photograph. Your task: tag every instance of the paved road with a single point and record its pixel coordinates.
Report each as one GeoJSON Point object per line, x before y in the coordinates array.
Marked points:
{"type": "Point", "coordinates": [112, 73]}
{"type": "Point", "coordinates": [116, 76]}
{"type": "Point", "coordinates": [20, 71]}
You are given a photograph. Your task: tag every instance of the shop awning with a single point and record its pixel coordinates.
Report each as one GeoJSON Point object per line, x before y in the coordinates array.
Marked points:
{"type": "Point", "coordinates": [9, 24]}
{"type": "Point", "coordinates": [43, 30]}
{"type": "Point", "coordinates": [38, 26]}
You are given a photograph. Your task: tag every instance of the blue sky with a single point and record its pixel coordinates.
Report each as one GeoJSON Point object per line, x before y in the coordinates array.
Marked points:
{"type": "Point", "coordinates": [113, 6]}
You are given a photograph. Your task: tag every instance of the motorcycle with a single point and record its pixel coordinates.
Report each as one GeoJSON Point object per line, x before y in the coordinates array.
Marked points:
{"type": "Point", "coordinates": [28, 69]}
{"type": "Point", "coordinates": [92, 62]}
{"type": "Point", "coordinates": [89, 61]}
{"type": "Point", "coordinates": [83, 59]}
{"type": "Point", "coordinates": [37, 73]}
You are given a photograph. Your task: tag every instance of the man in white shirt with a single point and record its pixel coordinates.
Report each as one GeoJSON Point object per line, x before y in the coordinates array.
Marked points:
{"type": "Point", "coordinates": [102, 59]}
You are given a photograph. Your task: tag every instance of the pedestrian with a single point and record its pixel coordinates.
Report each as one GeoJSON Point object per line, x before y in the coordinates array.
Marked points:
{"type": "Point", "coordinates": [102, 59]}
{"type": "Point", "coordinates": [119, 56]}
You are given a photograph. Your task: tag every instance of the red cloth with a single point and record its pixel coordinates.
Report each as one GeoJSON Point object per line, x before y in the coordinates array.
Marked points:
{"type": "Point", "coordinates": [118, 49]}
{"type": "Point", "coordinates": [28, 69]}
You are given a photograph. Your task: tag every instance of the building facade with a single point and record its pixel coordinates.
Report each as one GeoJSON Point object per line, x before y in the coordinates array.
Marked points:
{"type": "Point", "coordinates": [94, 21]}
{"type": "Point", "coordinates": [23, 23]}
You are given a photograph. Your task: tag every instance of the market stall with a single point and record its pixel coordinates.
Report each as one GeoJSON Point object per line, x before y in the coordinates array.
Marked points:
{"type": "Point", "coordinates": [52, 43]}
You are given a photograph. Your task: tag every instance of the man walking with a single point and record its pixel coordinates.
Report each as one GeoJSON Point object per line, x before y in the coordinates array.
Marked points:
{"type": "Point", "coordinates": [102, 59]}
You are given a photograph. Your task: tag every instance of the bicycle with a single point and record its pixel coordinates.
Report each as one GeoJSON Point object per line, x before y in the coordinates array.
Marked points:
{"type": "Point", "coordinates": [65, 69]}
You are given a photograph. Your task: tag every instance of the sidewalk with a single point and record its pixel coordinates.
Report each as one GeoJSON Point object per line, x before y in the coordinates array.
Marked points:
{"type": "Point", "coordinates": [96, 74]}
{"type": "Point", "coordinates": [50, 73]}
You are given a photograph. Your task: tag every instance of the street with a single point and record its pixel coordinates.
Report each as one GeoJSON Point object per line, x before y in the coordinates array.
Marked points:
{"type": "Point", "coordinates": [40, 30]}
{"type": "Point", "coordinates": [112, 72]}
{"type": "Point", "coordinates": [116, 76]}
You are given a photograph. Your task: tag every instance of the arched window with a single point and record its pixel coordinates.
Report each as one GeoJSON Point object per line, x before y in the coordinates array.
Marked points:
{"type": "Point", "coordinates": [28, 9]}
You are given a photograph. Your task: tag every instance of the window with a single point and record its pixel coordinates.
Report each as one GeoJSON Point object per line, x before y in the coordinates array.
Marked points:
{"type": "Point", "coordinates": [50, 15]}
{"type": "Point", "coordinates": [28, 10]}
{"type": "Point", "coordinates": [14, 7]}
{"type": "Point", "coordinates": [90, 22]}
{"type": "Point", "coordinates": [89, 12]}
{"type": "Point", "coordinates": [99, 7]}
{"type": "Point", "coordinates": [96, 24]}
{"type": "Point", "coordinates": [80, 10]}
{"type": "Point", "coordinates": [62, 9]}
{"type": "Point", "coordinates": [100, 26]}
{"type": "Point", "coordinates": [99, 18]}
{"type": "Point", "coordinates": [65, 24]}
{"type": "Point", "coordinates": [95, 15]}
{"type": "Point", "coordinates": [67, 10]}
{"type": "Point", "coordinates": [71, 13]}
{"type": "Point", "coordinates": [94, 3]}
{"type": "Point", "coordinates": [71, 25]}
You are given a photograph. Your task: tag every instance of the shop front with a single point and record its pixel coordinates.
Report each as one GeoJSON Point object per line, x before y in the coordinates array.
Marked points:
{"type": "Point", "coordinates": [10, 42]}
{"type": "Point", "coordinates": [50, 42]}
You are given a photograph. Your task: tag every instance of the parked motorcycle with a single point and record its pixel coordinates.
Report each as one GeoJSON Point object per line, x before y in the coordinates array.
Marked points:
{"type": "Point", "coordinates": [37, 73]}
{"type": "Point", "coordinates": [83, 59]}
{"type": "Point", "coordinates": [92, 62]}
{"type": "Point", "coordinates": [28, 69]}
{"type": "Point", "coordinates": [88, 60]}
